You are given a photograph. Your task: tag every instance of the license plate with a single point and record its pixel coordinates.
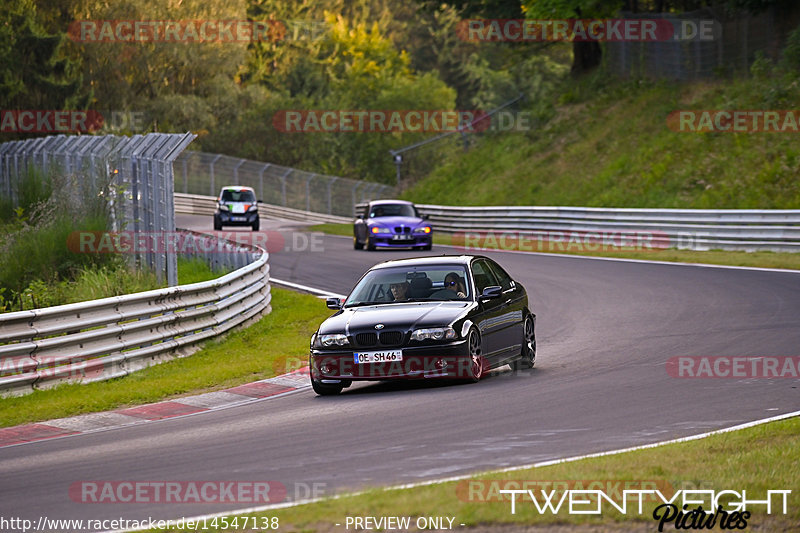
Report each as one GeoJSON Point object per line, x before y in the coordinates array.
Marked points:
{"type": "Point", "coordinates": [378, 357]}
{"type": "Point", "coordinates": [238, 219]}
{"type": "Point", "coordinates": [402, 237]}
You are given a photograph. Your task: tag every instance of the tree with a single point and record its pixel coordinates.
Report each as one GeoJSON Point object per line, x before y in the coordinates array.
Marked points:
{"type": "Point", "coordinates": [32, 75]}
{"type": "Point", "coordinates": [586, 55]}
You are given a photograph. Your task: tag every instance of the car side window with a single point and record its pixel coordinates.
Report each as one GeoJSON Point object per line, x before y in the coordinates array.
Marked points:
{"type": "Point", "coordinates": [482, 275]}
{"type": "Point", "coordinates": [502, 276]}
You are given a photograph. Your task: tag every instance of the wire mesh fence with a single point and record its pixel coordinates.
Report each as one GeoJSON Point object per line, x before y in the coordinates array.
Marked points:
{"type": "Point", "coordinates": [133, 174]}
{"type": "Point", "coordinates": [205, 174]}
{"type": "Point", "coordinates": [713, 43]}
{"type": "Point", "coordinates": [415, 161]}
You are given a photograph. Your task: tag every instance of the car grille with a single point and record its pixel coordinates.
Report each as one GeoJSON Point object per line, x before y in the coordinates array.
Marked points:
{"type": "Point", "coordinates": [387, 338]}
{"type": "Point", "coordinates": [366, 339]}
{"type": "Point", "coordinates": [402, 229]}
{"type": "Point", "coordinates": [391, 338]}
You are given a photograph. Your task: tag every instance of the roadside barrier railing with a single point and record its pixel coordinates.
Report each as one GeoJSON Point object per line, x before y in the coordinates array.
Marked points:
{"type": "Point", "coordinates": [776, 230]}
{"type": "Point", "coordinates": [195, 204]}
{"type": "Point", "coordinates": [112, 337]}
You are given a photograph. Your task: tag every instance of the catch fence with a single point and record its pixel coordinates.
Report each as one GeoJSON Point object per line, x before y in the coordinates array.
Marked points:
{"type": "Point", "coordinates": [134, 174]}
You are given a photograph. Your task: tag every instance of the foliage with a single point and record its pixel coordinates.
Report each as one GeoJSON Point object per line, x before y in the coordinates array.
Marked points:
{"type": "Point", "coordinates": [33, 75]}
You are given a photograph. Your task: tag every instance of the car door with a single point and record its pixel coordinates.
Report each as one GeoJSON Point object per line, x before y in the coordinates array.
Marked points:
{"type": "Point", "coordinates": [512, 308]}
{"type": "Point", "coordinates": [489, 316]}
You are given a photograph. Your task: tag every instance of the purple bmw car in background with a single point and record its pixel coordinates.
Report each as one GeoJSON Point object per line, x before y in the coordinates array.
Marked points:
{"type": "Point", "coordinates": [392, 224]}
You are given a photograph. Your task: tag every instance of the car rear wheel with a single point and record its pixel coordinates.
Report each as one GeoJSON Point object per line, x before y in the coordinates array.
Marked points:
{"type": "Point", "coordinates": [528, 354]}
{"type": "Point", "coordinates": [326, 389]}
{"type": "Point", "coordinates": [477, 364]}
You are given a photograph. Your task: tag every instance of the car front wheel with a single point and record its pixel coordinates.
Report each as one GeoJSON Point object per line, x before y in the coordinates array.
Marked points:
{"type": "Point", "coordinates": [356, 244]}
{"type": "Point", "coordinates": [477, 364]}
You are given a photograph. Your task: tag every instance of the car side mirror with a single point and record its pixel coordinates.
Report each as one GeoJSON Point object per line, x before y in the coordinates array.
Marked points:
{"type": "Point", "coordinates": [425, 217]}
{"type": "Point", "coordinates": [259, 201]}
{"type": "Point", "coordinates": [334, 303]}
{"type": "Point", "coordinates": [492, 292]}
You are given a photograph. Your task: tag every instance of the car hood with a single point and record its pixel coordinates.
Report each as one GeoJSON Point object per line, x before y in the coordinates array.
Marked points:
{"type": "Point", "coordinates": [396, 316]}
{"type": "Point", "coordinates": [390, 222]}
{"type": "Point", "coordinates": [238, 207]}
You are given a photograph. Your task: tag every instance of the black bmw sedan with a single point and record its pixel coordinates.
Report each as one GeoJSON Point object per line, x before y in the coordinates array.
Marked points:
{"type": "Point", "coordinates": [432, 317]}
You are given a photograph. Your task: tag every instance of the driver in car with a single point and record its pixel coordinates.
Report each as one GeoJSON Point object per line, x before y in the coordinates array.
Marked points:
{"type": "Point", "coordinates": [399, 291]}
{"type": "Point", "coordinates": [452, 282]}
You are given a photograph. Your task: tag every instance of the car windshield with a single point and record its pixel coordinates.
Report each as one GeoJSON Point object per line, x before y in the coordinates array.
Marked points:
{"type": "Point", "coordinates": [415, 284]}
{"type": "Point", "coordinates": [392, 210]}
{"type": "Point", "coordinates": [230, 195]}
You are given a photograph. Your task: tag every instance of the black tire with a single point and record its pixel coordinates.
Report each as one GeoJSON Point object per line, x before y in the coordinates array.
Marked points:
{"type": "Point", "coordinates": [477, 364]}
{"type": "Point", "coordinates": [370, 245]}
{"type": "Point", "coordinates": [256, 225]}
{"type": "Point", "coordinates": [528, 352]}
{"type": "Point", "coordinates": [427, 247]}
{"type": "Point", "coordinates": [357, 245]}
{"type": "Point", "coordinates": [217, 224]}
{"type": "Point", "coordinates": [326, 389]}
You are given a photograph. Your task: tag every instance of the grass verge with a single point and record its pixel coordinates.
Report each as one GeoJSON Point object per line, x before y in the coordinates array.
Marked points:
{"type": "Point", "coordinates": [272, 346]}
{"type": "Point", "coordinates": [712, 257]}
{"type": "Point", "coordinates": [765, 457]}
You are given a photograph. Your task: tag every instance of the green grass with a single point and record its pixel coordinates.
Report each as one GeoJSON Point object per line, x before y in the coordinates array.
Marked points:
{"type": "Point", "coordinates": [195, 271]}
{"type": "Point", "coordinates": [608, 144]}
{"type": "Point", "coordinates": [765, 457]}
{"type": "Point", "coordinates": [276, 344]}
{"type": "Point", "coordinates": [713, 257]}
{"type": "Point", "coordinates": [94, 282]}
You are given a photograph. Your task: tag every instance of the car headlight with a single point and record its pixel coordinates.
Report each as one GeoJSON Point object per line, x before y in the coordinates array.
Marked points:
{"type": "Point", "coordinates": [377, 229]}
{"type": "Point", "coordinates": [253, 208]}
{"type": "Point", "coordinates": [436, 334]}
{"type": "Point", "coordinates": [423, 229]}
{"type": "Point", "coordinates": [223, 207]}
{"type": "Point", "coordinates": [335, 339]}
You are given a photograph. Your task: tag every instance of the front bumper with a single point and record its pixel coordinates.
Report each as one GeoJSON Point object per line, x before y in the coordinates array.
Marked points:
{"type": "Point", "coordinates": [236, 219]}
{"type": "Point", "coordinates": [449, 360]}
{"type": "Point", "coordinates": [385, 240]}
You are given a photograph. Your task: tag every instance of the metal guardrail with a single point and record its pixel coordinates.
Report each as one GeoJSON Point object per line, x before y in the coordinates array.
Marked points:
{"type": "Point", "coordinates": [775, 230]}
{"type": "Point", "coordinates": [194, 204]}
{"type": "Point", "coordinates": [112, 337]}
